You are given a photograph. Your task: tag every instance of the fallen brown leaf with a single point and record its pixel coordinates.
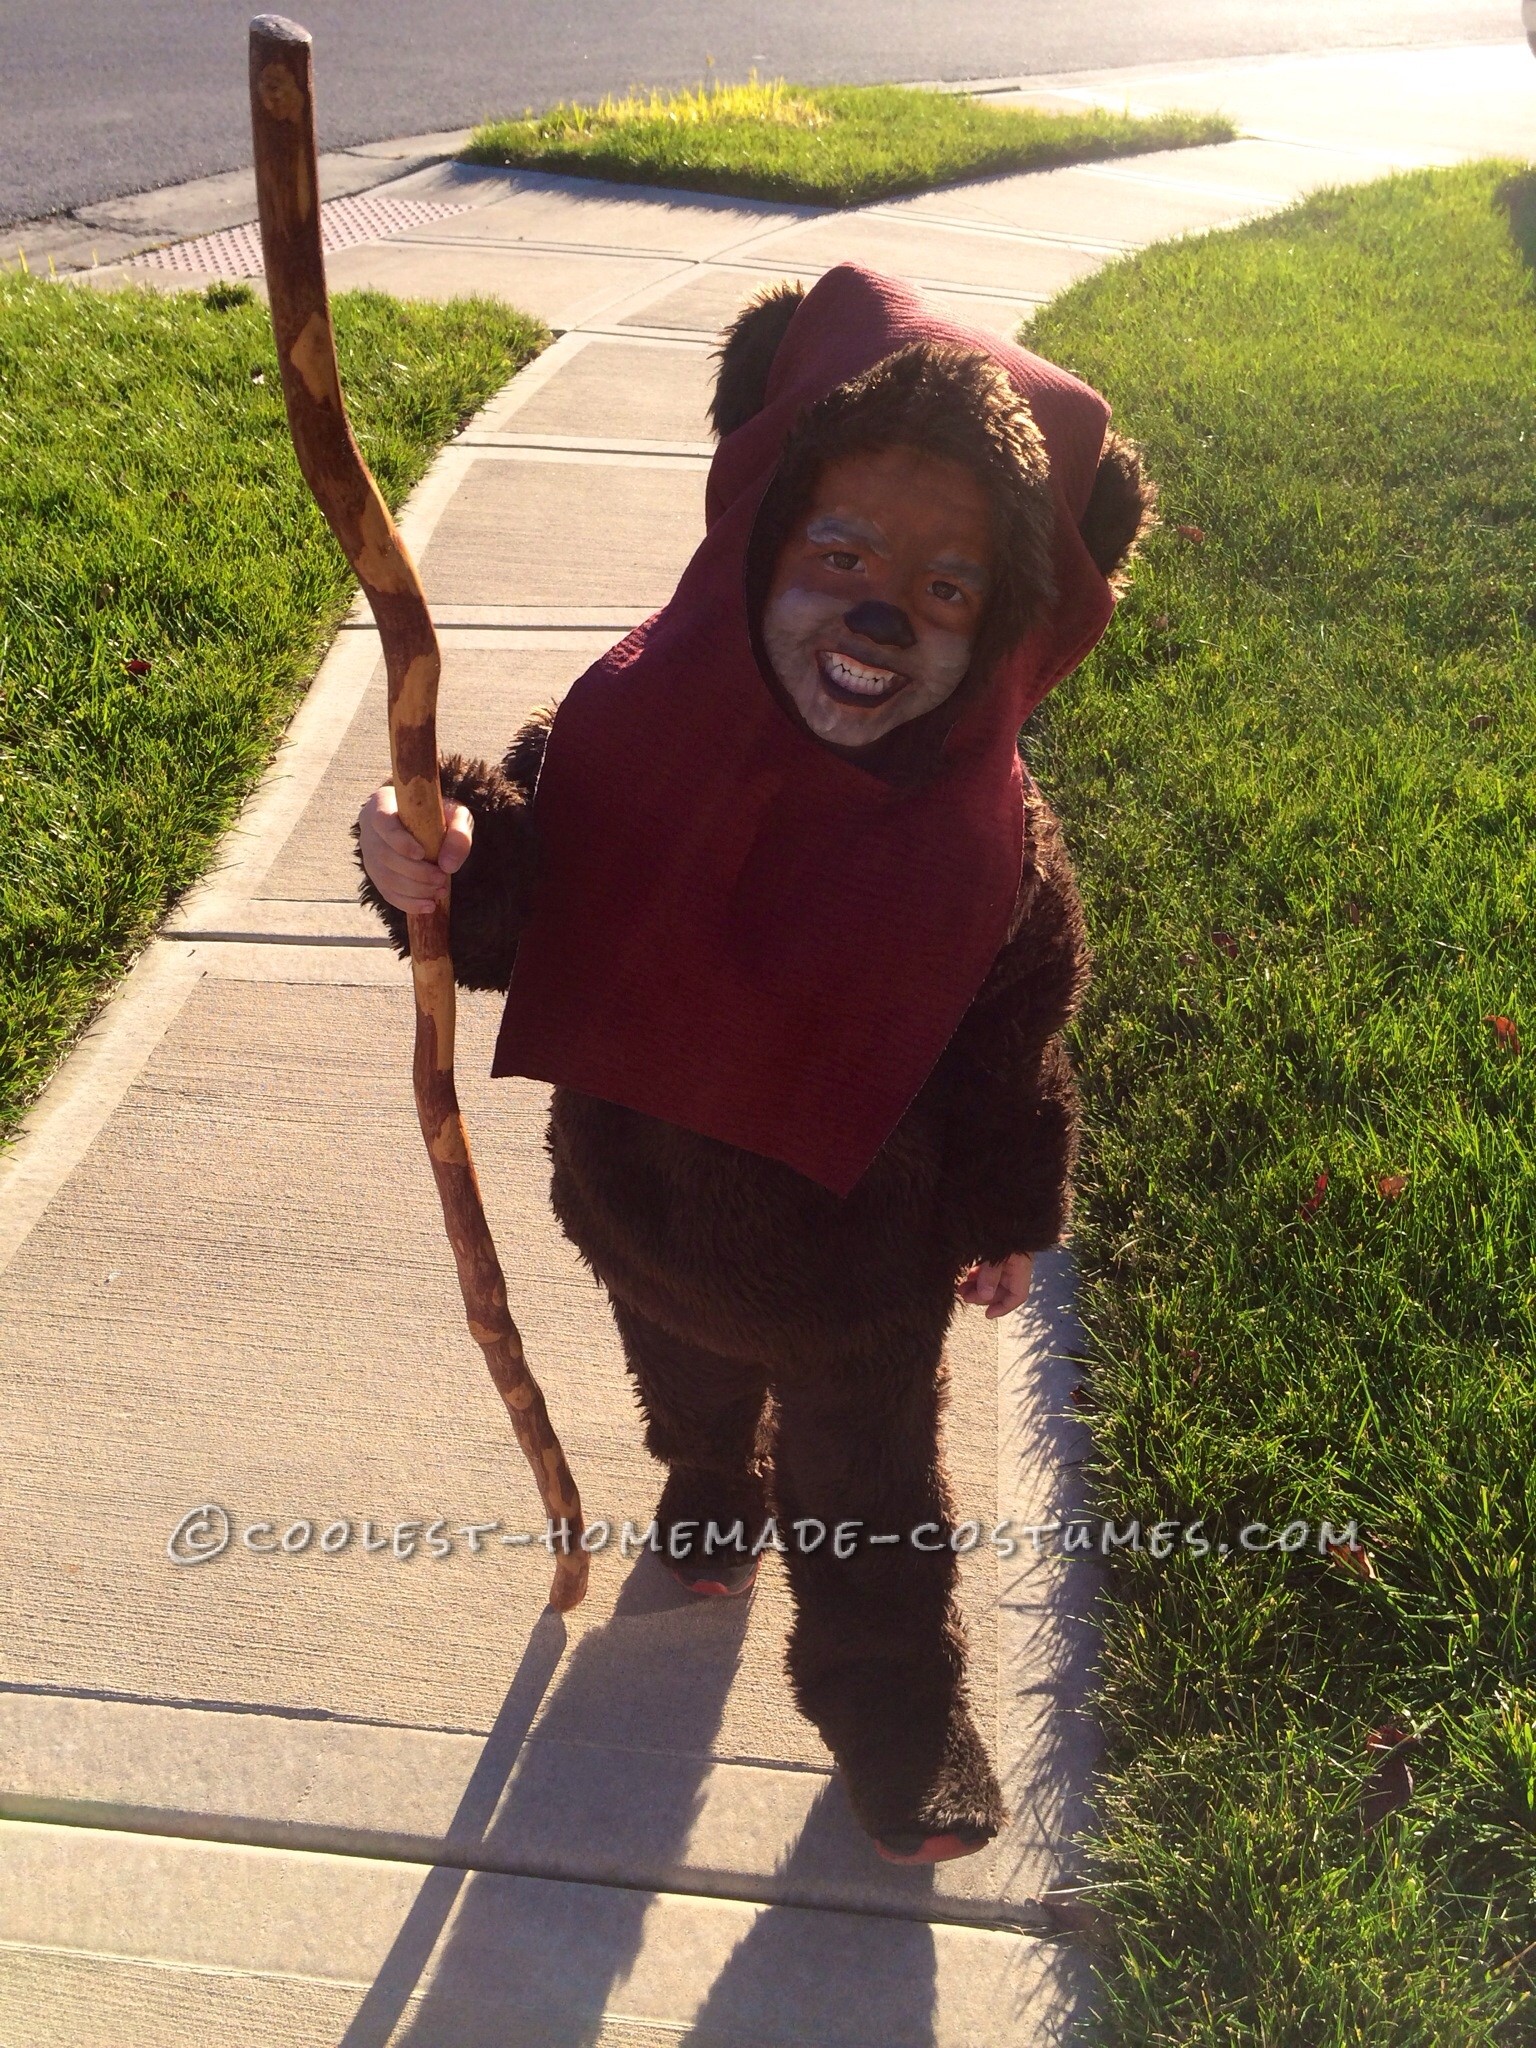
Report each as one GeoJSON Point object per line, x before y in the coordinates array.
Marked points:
{"type": "Point", "coordinates": [1505, 1034]}
{"type": "Point", "coordinates": [1354, 1557]}
{"type": "Point", "coordinates": [137, 667]}
{"type": "Point", "coordinates": [1390, 1785]}
{"type": "Point", "coordinates": [1194, 534]}
{"type": "Point", "coordinates": [1314, 1201]}
{"type": "Point", "coordinates": [1224, 942]}
{"type": "Point", "coordinates": [1387, 1736]}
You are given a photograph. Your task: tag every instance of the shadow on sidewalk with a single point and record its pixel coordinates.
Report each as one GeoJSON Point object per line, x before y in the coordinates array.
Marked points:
{"type": "Point", "coordinates": [377, 2017]}
{"type": "Point", "coordinates": [781, 1947]}
{"type": "Point", "coordinates": [545, 1977]}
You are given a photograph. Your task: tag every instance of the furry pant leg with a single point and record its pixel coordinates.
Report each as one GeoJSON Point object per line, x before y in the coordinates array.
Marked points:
{"type": "Point", "coordinates": [704, 1421]}
{"type": "Point", "coordinates": [877, 1653]}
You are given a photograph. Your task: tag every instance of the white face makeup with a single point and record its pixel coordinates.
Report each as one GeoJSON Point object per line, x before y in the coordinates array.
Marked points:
{"type": "Point", "coordinates": [878, 593]}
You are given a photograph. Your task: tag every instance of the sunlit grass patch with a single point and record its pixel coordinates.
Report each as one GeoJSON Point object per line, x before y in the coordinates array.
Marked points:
{"type": "Point", "coordinates": [832, 145]}
{"type": "Point", "coordinates": [166, 587]}
{"type": "Point", "coordinates": [701, 106]}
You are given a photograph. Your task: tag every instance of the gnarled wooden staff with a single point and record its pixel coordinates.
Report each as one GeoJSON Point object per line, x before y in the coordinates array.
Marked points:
{"type": "Point", "coordinates": [283, 123]}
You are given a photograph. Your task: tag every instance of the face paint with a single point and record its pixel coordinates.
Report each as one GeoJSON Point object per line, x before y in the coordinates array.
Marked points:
{"type": "Point", "coordinates": [872, 614]}
{"type": "Point", "coordinates": [848, 688]}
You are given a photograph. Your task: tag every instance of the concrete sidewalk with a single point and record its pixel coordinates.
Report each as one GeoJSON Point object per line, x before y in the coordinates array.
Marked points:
{"type": "Point", "coordinates": [283, 1796]}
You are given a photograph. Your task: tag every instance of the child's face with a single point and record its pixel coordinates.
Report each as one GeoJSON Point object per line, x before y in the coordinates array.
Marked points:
{"type": "Point", "coordinates": [878, 592]}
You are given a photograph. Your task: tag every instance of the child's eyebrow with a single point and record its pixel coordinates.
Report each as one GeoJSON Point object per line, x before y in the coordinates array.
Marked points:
{"type": "Point", "coordinates": [832, 527]}
{"type": "Point", "coordinates": [961, 568]}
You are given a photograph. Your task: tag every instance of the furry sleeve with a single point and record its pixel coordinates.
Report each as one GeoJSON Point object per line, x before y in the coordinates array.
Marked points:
{"type": "Point", "coordinates": [1011, 1100]}
{"type": "Point", "coordinates": [491, 892]}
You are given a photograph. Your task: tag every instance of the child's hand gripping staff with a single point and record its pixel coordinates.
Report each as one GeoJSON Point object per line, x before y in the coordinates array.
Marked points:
{"type": "Point", "coordinates": [283, 122]}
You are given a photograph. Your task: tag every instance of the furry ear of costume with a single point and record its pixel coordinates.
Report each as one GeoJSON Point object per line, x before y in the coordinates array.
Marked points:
{"type": "Point", "coordinates": [746, 356]}
{"type": "Point", "coordinates": [1120, 510]}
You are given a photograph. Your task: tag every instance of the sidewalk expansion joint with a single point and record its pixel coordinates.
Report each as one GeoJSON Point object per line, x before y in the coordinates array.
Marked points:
{"type": "Point", "coordinates": [237, 938]}
{"type": "Point", "coordinates": [608, 330]}
{"type": "Point", "coordinates": [998, 231]}
{"type": "Point", "coordinates": [277, 1710]}
{"type": "Point", "coordinates": [1254, 196]}
{"type": "Point", "coordinates": [736, 252]}
{"type": "Point", "coordinates": [530, 245]}
{"type": "Point", "coordinates": [950, 287]}
{"type": "Point", "coordinates": [1370, 153]}
{"type": "Point", "coordinates": [514, 618]}
{"type": "Point", "coordinates": [530, 448]}
{"type": "Point", "coordinates": [225, 1973]}
{"type": "Point", "coordinates": [659, 452]}
{"type": "Point", "coordinates": [314, 1839]}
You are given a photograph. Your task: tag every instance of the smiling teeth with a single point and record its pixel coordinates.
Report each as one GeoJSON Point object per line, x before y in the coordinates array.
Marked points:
{"type": "Point", "coordinates": [853, 675]}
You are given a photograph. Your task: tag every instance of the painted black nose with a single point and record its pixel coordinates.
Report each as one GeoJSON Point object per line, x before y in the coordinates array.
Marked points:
{"type": "Point", "coordinates": [886, 624]}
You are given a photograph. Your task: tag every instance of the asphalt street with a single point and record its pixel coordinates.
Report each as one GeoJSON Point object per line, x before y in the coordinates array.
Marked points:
{"type": "Point", "coordinates": [101, 100]}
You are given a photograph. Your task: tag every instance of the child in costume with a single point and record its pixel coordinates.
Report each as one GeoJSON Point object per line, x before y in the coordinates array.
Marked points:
{"type": "Point", "coordinates": [794, 936]}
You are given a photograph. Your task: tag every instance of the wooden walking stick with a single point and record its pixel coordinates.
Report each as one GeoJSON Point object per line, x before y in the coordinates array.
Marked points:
{"type": "Point", "coordinates": [283, 124]}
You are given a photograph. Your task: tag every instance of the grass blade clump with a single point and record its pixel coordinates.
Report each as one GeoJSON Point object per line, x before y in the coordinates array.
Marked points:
{"type": "Point", "coordinates": [166, 586]}
{"type": "Point", "coordinates": [828, 145]}
{"type": "Point", "coordinates": [1300, 780]}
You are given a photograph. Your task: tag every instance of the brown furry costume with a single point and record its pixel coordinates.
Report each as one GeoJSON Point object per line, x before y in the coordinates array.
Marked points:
{"type": "Point", "coordinates": [786, 1344]}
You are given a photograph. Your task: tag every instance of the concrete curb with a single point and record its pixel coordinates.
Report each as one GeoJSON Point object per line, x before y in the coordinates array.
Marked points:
{"type": "Point", "coordinates": [115, 229]}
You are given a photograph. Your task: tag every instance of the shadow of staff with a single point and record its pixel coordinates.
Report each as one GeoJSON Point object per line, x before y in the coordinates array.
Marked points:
{"type": "Point", "coordinates": [459, 1968]}
{"type": "Point", "coordinates": [376, 2019]}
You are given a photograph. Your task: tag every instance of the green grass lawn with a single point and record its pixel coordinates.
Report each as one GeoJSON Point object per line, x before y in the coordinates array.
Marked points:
{"type": "Point", "coordinates": [1300, 783]}
{"type": "Point", "coordinates": [166, 587]}
{"type": "Point", "coordinates": [832, 145]}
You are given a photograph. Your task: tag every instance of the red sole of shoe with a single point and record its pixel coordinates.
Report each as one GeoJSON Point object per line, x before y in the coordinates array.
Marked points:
{"type": "Point", "coordinates": [713, 1589]}
{"type": "Point", "coordinates": [937, 1849]}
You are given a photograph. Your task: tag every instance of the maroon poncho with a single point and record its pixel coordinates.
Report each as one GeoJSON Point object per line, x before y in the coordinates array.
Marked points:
{"type": "Point", "coordinates": [736, 929]}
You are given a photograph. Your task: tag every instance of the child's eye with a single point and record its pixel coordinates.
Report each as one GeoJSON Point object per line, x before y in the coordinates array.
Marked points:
{"type": "Point", "coordinates": [841, 558]}
{"type": "Point", "coordinates": [947, 591]}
